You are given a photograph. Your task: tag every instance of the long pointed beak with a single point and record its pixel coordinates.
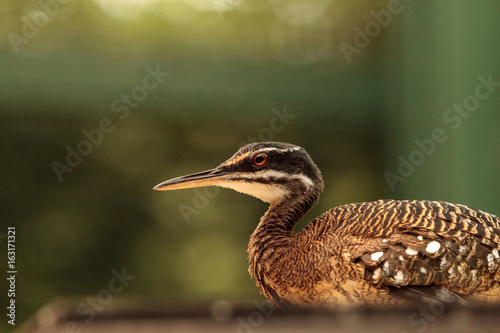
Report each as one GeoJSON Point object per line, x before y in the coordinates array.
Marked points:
{"type": "Point", "coordinates": [199, 179]}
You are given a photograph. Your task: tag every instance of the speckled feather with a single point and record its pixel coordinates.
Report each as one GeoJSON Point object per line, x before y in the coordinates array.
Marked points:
{"type": "Point", "coordinates": [358, 253]}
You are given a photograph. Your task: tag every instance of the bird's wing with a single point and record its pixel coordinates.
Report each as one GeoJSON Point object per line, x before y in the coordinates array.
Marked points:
{"type": "Point", "coordinates": [410, 244]}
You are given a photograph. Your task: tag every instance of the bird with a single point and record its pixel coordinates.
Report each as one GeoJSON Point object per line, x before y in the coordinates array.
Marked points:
{"type": "Point", "coordinates": [380, 253]}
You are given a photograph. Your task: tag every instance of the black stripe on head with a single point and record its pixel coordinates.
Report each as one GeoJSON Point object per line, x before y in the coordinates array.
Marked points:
{"type": "Point", "coordinates": [283, 157]}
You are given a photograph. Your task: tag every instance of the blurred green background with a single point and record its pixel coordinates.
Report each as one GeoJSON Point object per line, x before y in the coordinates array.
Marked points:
{"type": "Point", "coordinates": [360, 82]}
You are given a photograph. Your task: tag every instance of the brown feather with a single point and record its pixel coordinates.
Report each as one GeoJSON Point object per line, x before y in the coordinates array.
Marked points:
{"type": "Point", "coordinates": [354, 254]}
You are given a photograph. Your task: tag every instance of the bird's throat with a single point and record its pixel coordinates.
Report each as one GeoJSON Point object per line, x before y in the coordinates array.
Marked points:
{"type": "Point", "coordinates": [280, 219]}
{"type": "Point", "coordinates": [274, 235]}
{"type": "Point", "coordinates": [276, 226]}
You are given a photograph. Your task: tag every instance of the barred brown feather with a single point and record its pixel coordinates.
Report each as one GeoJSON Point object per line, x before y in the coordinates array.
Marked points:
{"type": "Point", "coordinates": [363, 250]}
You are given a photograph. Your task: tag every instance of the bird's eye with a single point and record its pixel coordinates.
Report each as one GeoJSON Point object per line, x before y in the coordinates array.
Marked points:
{"type": "Point", "coordinates": [260, 159]}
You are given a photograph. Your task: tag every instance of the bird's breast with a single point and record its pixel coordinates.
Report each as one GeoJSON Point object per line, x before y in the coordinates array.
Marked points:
{"type": "Point", "coordinates": [324, 286]}
{"type": "Point", "coordinates": [314, 274]}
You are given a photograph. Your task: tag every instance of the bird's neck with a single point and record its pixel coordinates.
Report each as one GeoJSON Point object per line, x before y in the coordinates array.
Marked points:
{"type": "Point", "coordinates": [275, 228]}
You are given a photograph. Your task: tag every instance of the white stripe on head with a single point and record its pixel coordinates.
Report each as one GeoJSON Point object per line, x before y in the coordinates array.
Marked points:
{"type": "Point", "coordinates": [308, 183]}
{"type": "Point", "coordinates": [269, 193]}
{"type": "Point", "coordinates": [279, 149]}
{"type": "Point", "coordinates": [266, 193]}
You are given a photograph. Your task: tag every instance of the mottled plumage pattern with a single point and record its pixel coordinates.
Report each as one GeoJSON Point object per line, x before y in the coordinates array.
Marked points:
{"type": "Point", "coordinates": [358, 253]}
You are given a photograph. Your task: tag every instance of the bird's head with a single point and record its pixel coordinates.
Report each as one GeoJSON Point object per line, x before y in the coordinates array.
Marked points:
{"type": "Point", "coordinates": [270, 171]}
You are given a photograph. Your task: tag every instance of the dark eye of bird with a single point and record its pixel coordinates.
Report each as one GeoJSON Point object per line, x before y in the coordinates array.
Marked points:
{"type": "Point", "coordinates": [260, 159]}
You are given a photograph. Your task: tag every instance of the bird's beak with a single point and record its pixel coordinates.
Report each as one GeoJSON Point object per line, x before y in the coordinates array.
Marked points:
{"type": "Point", "coordinates": [199, 179]}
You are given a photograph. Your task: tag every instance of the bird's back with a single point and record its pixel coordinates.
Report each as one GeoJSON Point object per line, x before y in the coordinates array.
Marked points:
{"type": "Point", "coordinates": [419, 247]}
